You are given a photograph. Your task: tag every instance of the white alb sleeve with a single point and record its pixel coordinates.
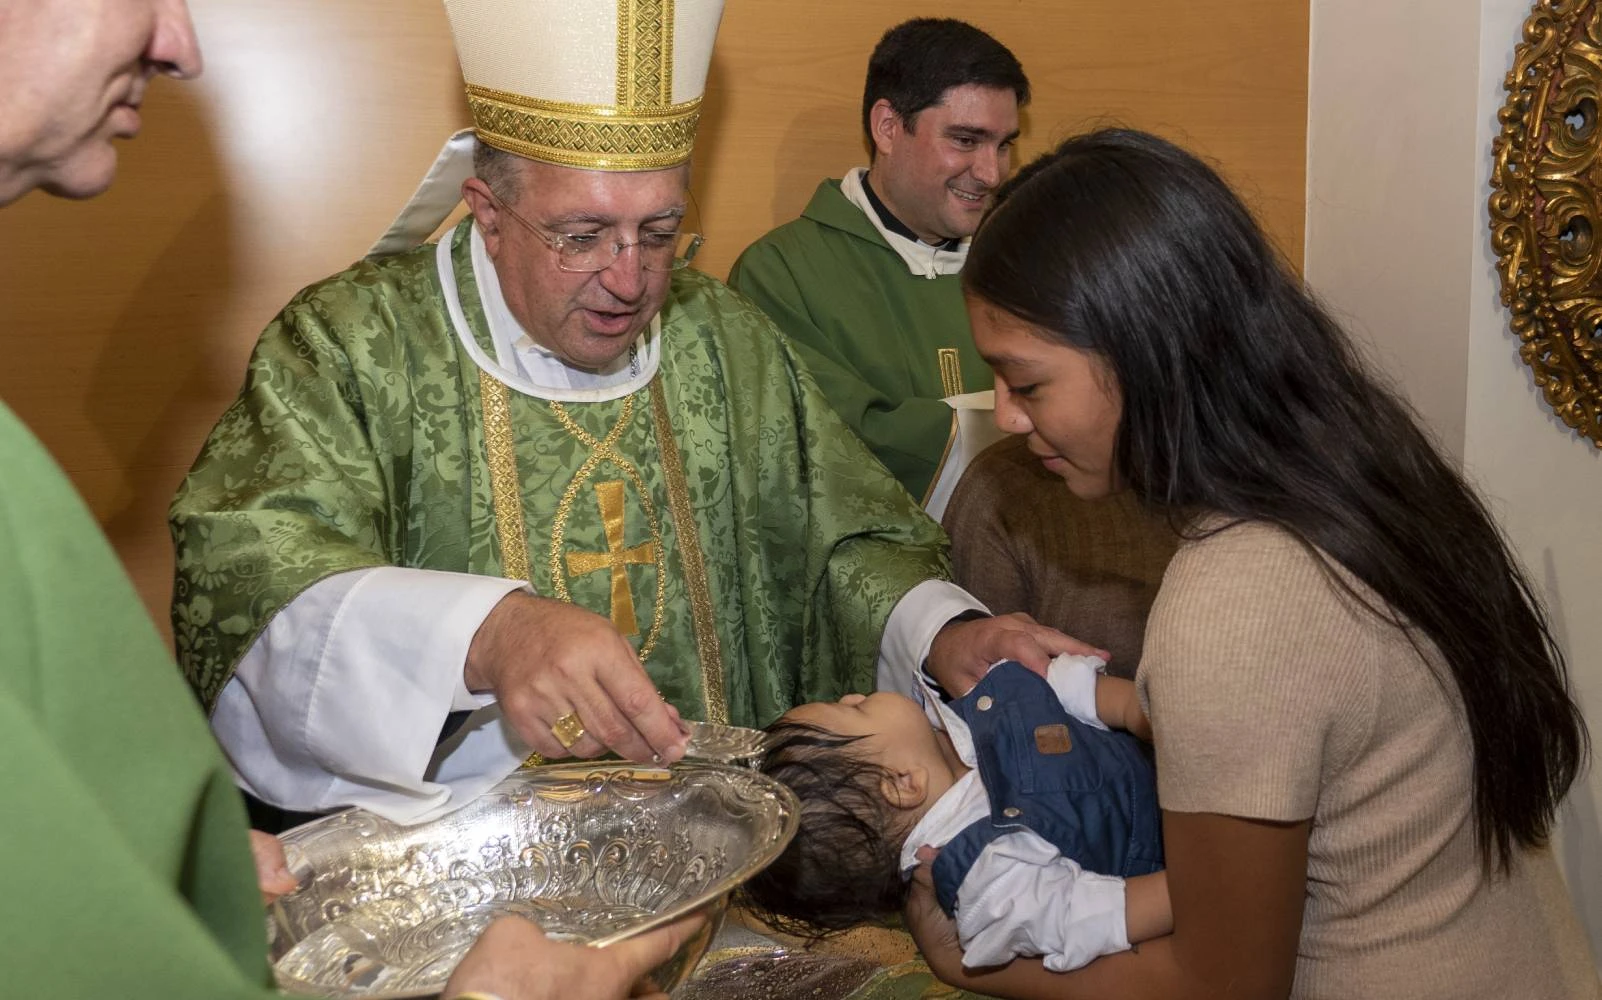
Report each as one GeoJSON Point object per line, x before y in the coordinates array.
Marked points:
{"type": "Point", "coordinates": [1023, 898]}
{"type": "Point", "coordinates": [341, 699]}
{"type": "Point", "coordinates": [910, 631]}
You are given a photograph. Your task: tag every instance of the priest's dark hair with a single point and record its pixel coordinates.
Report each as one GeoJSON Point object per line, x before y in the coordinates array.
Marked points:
{"type": "Point", "coordinates": [1242, 397]}
{"type": "Point", "coordinates": [917, 61]}
{"type": "Point", "coordinates": [843, 868]}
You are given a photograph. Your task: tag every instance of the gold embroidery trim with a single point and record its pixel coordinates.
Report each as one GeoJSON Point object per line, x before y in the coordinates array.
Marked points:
{"type": "Point", "coordinates": [590, 137]}
{"type": "Point", "coordinates": [701, 610]}
{"type": "Point", "coordinates": [605, 450]}
{"type": "Point", "coordinates": [505, 490]}
{"type": "Point", "coordinates": [508, 501]}
{"type": "Point", "coordinates": [940, 466]}
{"type": "Point", "coordinates": [950, 371]}
{"type": "Point", "coordinates": [644, 52]}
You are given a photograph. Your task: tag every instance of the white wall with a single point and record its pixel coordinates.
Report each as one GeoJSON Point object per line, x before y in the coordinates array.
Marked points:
{"type": "Point", "coordinates": [1402, 103]}
{"type": "Point", "coordinates": [1546, 479]}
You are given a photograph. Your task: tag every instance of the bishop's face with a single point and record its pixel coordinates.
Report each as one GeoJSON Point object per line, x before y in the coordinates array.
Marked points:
{"type": "Point", "coordinates": [588, 319]}
{"type": "Point", "coordinates": [72, 76]}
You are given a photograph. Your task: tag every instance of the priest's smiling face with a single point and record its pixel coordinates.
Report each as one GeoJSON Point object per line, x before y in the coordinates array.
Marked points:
{"type": "Point", "coordinates": [588, 319]}
{"type": "Point", "coordinates": [72, 76]}
{"type": "Point", "coordinates": [937, 173]}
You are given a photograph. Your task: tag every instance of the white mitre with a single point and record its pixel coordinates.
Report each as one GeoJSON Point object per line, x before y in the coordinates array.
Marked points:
{"type": "Point", "coordinates": [595, 84]}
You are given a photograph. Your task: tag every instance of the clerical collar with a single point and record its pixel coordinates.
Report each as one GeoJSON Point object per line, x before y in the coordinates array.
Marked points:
{"type": "Point", "coordinates": [898, 227]}
{"type": "Point", "coordinates": [525, 366]}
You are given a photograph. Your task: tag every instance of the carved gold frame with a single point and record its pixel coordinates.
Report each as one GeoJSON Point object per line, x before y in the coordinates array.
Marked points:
{"type": "Point", "coordinates": [1546, 213]}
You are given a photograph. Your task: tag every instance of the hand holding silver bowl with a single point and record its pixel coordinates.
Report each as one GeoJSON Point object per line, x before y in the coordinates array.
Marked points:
{"type": "Point", "coordinates": [592, 852]}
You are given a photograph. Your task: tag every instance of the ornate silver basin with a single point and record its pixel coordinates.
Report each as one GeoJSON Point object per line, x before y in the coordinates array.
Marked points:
{"type": "Point", "coordinates": [592, 852]}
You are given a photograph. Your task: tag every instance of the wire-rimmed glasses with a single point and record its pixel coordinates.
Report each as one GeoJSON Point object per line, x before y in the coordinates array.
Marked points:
{"type": "Point", "coordinates": [666, 250]}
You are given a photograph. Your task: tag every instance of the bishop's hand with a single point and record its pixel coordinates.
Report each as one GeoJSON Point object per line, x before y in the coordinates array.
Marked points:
{"type": "Point", "coordinates": [569, 683]}
{"type": "Point", "coordinates": [964, 650]}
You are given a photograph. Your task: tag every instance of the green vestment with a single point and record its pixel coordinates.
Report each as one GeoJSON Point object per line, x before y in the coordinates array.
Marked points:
{"type": "Point", "coordinates": [126, 871]}
{"type": "Point", "coordinates": [870, 330]}
{"type": "Point", "coordinates": [358, 441]}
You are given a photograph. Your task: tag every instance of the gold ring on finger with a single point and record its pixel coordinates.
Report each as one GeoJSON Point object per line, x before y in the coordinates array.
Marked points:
{"type": "Point", "coordinates": [568, 730]}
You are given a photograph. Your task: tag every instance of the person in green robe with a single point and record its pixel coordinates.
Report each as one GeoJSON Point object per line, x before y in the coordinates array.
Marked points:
{"type": "Point", "coordinates": [543, 473]}
{"type": "Point", "coordinates": [127, 872]}
{"type": "Point", "coordinates": [865, 281]}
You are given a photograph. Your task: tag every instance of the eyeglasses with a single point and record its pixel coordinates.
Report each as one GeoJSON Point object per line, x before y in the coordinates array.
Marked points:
{"type": "Point", "coordinates": [589, 252]}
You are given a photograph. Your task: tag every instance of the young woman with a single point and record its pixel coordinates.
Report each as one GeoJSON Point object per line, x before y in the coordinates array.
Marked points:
{"type": "Point", "coordinates": [1361, 718]}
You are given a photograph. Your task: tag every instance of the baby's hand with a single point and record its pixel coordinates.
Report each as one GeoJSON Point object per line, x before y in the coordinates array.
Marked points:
{"type": "Point", "coordinates": [1118, 705]}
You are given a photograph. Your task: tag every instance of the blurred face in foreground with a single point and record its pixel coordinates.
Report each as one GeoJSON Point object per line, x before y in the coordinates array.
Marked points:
{"type": "Point", "coordinates": [73, 74]}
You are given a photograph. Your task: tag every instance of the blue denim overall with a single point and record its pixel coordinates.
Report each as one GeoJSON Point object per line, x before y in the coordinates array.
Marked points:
{"type": "Point", "coordinates": [1091, 793]}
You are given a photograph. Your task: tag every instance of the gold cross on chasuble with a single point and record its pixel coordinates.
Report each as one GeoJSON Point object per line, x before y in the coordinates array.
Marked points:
{"type": "Point", "coordinates": [616, 558]}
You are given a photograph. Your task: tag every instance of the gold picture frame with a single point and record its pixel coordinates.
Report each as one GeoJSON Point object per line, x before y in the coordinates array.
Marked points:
{"type": "Point", "coordinates": [1545, 210]}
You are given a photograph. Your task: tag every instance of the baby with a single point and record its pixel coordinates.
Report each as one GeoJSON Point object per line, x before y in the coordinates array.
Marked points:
{"type": "Point", "coordinates": [1046, 822]}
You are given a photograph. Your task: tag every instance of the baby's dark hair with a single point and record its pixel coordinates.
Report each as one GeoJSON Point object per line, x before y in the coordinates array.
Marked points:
{"type": "Point", "coordinates": [843, 868]}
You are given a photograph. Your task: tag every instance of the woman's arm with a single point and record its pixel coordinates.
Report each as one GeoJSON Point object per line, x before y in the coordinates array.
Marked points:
{"type": "Point", "coordinates": [1237, 888]}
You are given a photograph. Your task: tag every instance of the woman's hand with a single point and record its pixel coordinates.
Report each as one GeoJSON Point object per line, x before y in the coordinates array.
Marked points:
{"type": "Point", "coordinates": [514, 960]}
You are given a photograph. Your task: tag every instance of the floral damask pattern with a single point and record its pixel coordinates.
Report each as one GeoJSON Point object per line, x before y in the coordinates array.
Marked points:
{"type": "Point", "coordinates": [357, 441]}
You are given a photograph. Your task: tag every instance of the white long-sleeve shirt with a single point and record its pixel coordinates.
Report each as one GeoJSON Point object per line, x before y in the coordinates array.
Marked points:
{"type": "Point", "coordinates": [1022, 897]}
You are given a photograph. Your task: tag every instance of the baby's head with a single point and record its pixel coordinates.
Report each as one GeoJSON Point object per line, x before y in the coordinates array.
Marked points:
{"type": "Point", "coordinates": [866, 769]}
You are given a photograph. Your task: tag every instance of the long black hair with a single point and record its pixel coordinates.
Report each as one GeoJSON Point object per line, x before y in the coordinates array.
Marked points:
{"type": "Point", "coordinates": [842, 868]}
{"type": "Point", "coordinates": [1241, 397]}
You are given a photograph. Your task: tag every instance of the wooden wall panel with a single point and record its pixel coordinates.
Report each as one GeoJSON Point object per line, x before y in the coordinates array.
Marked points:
{"type": "Point", "coordinates": [126, 320]}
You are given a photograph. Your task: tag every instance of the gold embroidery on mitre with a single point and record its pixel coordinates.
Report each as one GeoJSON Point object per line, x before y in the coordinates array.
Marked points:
{"type": "Point", "coordinates": [644, 53]}
{"type": "Point", "coordinates": [950, 371]}
{"type": "Point", "coordinates": [590, 136]}
{"type": "Point", "coordinates": [617, 558]}
{"type": "Point", "coordinates": [605, 450]}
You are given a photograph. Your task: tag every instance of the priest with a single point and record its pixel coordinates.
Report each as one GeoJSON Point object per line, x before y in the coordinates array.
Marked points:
{"type": "Point", "coordinates": [541, 472]}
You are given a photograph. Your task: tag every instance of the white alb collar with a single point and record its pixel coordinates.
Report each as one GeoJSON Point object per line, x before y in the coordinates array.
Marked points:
{"type": "Point", "coordinates": [920, 258]}
{"type": "Point", "coordinates": [524, 365]}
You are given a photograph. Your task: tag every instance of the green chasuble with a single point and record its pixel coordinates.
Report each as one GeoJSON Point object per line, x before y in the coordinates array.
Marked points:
{"type": "Point", "coordinates": [126, 871]}
{"type": "Point", "coordinates": [886, 345]}
{"type": "Point", "coordinates": [359, 440]}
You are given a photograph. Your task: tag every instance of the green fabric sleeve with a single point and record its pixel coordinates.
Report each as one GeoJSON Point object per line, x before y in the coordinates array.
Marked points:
{"type": "Point", "coordinates": [303, 476]}
{"type": "Point", "coordinates": [125, 871]}
{"type": "Point", "coordinates": [85, 915]}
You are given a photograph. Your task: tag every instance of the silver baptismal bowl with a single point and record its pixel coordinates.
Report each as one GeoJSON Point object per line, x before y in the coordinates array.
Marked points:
{"type": "Point", "coordinates": [590, 852]}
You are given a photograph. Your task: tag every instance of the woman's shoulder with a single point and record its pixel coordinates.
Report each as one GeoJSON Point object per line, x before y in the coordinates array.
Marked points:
{"type": "Point", "coordinates": [1255, 576]}
{"type": "Point", "coordinates": [1215, 546]}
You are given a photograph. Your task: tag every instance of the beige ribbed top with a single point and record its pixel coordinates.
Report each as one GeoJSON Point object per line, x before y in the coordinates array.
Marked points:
{"type": "Point", "coordinates": [1274, 696]}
